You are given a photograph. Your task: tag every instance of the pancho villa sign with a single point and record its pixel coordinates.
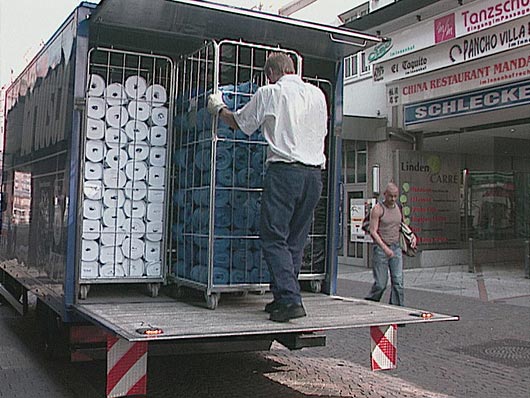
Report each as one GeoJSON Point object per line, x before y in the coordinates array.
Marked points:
{"type": "Point", "coordinates": [478, 45]}
{"type": "Point", "coordinates": [469, 18]}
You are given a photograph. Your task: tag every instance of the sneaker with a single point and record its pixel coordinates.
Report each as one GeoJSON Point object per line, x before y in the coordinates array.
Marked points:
{"type": "Point", "coordinates": [286, 312]}
{"type": "Point", "coordinates": [270, 307]}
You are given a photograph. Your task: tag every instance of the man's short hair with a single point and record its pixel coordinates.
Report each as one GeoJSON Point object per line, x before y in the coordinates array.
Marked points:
{"type": "Point", "coordinates": [279, 63]}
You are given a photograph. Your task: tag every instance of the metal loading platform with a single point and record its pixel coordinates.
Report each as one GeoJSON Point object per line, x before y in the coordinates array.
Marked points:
{"type": "Point", "coordinates": [243, 316]}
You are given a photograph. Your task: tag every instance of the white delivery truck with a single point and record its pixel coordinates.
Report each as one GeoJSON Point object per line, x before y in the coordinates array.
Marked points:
{"type": "Point", "coordinates": [123, 198]}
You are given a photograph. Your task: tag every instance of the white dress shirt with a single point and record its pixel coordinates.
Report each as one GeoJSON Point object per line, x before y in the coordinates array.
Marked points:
{"type": "Point", "coordinates": [293, 116]}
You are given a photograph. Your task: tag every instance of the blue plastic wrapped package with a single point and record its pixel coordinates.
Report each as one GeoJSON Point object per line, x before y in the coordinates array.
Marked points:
{"type": "Point", "coordinates": [199, 273]}
{"type": "Point", "coordinates": [220, 276]}
{"type": "Point", "coordinates": [237, 276]}
{"type": "Point", "coordinates": [203, 120]}
{"type": "Point", "coordinates": [224, 178]}
{"type": "Point", "coordinates": [225, 132]}
{"type": "Point", "coordinates": [223, 216]}
{"type": "Point", "coordinates": [240, 258]}
{"type": "Point", "coordinates": [222, 197]}
{"type": "Point", "coordinates": [221, 258]}
{"type": "Point", "coordinates": [223, 157]}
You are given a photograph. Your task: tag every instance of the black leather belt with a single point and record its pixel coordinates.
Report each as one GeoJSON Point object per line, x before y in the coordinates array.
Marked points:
{"type": "Point", "coordinates": [299, 164]}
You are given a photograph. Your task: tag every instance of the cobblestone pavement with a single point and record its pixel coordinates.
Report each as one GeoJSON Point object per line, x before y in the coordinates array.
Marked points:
{"type": "Point", "coordinates": [484, 355]}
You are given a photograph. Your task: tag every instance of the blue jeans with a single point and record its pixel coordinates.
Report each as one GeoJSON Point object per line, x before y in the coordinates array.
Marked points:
{"type": "Point", "coordinates": [381, 265]}
{"type": "Point", "coordinates": [290, 196]}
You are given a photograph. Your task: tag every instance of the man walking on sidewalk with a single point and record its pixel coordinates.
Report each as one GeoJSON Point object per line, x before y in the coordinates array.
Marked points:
{"type": "Point", "coordinates": [385, 223]}
{"type": "Point", "coordinates": [293, 115]}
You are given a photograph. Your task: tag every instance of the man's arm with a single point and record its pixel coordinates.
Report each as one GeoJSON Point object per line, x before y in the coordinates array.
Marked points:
{"type": "Point", "coordinates": [227, 116]}
{"type": "Point", "coordinates": [375, 216]}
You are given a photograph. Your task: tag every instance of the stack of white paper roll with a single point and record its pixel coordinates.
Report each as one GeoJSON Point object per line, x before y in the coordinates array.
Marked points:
{"type": "Point", "coordinates": [124, 178]}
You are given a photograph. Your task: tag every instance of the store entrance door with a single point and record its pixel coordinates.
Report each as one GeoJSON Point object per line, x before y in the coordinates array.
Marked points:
{"type": "Point", "coordinates": [352, 253]}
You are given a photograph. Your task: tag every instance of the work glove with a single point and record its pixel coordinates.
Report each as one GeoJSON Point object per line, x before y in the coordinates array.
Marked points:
{"type": "Point", "coordinates": [215, 103]}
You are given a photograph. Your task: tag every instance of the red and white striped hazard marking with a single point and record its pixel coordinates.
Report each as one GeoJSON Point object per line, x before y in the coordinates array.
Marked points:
{"type": "Point", "coordinates": [384, 351]}
{"type": "Point", "coordinates": [126, 368]}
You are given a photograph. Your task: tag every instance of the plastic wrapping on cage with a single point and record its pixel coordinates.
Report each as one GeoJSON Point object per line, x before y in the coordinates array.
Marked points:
{"type": "Point", "coordinates": [95, 129]}
{"type": "Point", "coordinates": [117, 116]}
{"type": "Point", "coordinates": [115, 94]}
{"type": "Point", "coordinates": [96, 108]}
{"type": "Point", "coordinates": [135, 86]}
{"type": "Point", "coordinates": [136, 130]}
{"type": "Point", "coordinates": [110, 254]}
{"type": "Point", "coordinates": [112, 236]}
{"type": "Point", "coordinates": [116, 137]}
{"type": "Point", "coordinates": [96, 85]}
{"type": "Point", "coordinates": [93, 189]}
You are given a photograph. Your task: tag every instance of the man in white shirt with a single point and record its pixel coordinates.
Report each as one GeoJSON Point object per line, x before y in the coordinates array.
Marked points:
{"type": "Point", "coordinates": [293, 116]}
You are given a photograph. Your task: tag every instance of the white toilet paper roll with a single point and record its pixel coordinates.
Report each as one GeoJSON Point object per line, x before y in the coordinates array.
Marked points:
{"type": "Point", "coordinates": [153, 269]}
{"type": "Point", "coordinates": [113, 197]}
{"type": "Point", "coordinates": [135, 190]}
{"type": "Point", "coordinates": [156, 95]}
{"type": "Point", "coordinates": [93, 171]}
{"type": "Point", "coordinates": [136, 130]}
{"type": "Point", "coordinates": [135, 170]}
{"type": "Point", "coordinates": [107, 271]}
{"type": "Point", "coordinates": [116, 158]}
{"type": "Point", "coordinates": [89, 269]}
{"type": "Point", "coordinates": [136, 267]}
{"type": "Point", "coordinates": [93, 190]}
{"type": "Point", "coordinates": [89, 250]}
{"type": "Point", "coordinates": [134, 208]}
{"type": "Point", "coordinates": [135, 86]}
{"type": "Point", "coordinates": [115, 94]}
{"type": "Point", "coordinates": [110, 254]}
{"type": "Point", "coordinates": [95, 129]}
{"type": "Point", "coordinates": [138, 151]}
{"type": "Point", "coordinates": [135, 227]}
{"type": "Point", "coordinates": [156, 176]}
{"type": "Point", "coordinates": [139, 110]}
{"type": "Point", "coordinates": [112, 236]}
{"type": "Point", "coordinates": [157, 136]}
{"type": "Point", "coordinates": [133, 248]}
{"type": "Point", "coordinates": [156, 195]}
{"type": "Point", "coordinates": [96, 85]}
{"type": "Point", "coordinates": [159, 116]}
{"type": "Point", "coordinates": [155, 211]}
{"type": "Point", "coordinates": [154, 231]}
{"type": "Point", "coordinates": [114, 178]}
{"type": "Point", "coordinates": [96, 108]}
{"type": "Point", "coordinates": [91, 229]}
{"type": "Point", "coordinates": [91, 209]}
{"type": "Point", "coordinates": [116, 137]}
{"type": "Point", "coordinates": [152, 251]}
{"type": "Point", "coordinates": [117, 116]}
{"type": "Point", "coordinates": [95, 150]}
{"type": "Point", "coordinates": [113, 217]}
{"type": "Point", "coordinates": [157, 156]}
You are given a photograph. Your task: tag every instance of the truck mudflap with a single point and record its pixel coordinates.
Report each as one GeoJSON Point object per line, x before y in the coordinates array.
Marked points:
{"type": "Point", "coordinates": [167, 319]}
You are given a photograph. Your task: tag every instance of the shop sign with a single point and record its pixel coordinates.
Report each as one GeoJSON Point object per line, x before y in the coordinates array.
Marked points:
{"type": "Point", "coordinates": [467, 19]}
{"type": "Point", "coordinates": [429, 185]}
{"type": "Point", "coordinates": [478, 45]}
{"type": "Point", "coordinates": [504, 68]}
{"type": "Point", "coordinates": [500, 97]}
{"type": "Point", "coordinates": [359, 208]}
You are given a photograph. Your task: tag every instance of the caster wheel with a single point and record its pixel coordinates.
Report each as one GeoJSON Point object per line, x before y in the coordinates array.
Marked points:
{"type": "Point", "coordinates": [83, 291]}
{"type": "Point", "coordinates": [153, 288]}
{"type": "Point", "coordinates": [212, 300]}
{"type": "Point", "coordinates": [315, 286]}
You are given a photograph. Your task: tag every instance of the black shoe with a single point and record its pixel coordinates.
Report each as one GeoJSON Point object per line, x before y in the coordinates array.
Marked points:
{"type": "Point", "coordinates": [286, 312]}
{"type": "Point", "coordinates": [270, 307]}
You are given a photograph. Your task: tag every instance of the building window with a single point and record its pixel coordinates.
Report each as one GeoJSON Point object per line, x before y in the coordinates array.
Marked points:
{"type": "Point", "coordinates": [364, 66]}
{"type": "Point", "coordinates": [350, 66]}
{"type": "Point", "coordinates": [354, 160]}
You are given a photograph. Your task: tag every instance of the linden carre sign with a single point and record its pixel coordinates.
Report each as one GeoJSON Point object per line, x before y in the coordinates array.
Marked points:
{"type": "Point", "coordinates": [499, 97]}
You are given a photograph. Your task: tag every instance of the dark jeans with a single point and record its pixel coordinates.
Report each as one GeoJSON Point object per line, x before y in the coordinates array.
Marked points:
{"type": "Point", "coordinates": [290, 195]}
{"type": "Point", "coordinates": [382, 264]}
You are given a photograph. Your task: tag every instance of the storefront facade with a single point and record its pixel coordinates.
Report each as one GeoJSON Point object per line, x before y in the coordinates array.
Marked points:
{"type": "Point", "coordinates": [457, 135]}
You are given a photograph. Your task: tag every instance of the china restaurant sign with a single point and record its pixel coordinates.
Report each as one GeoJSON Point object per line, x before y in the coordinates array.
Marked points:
{"type": "Point", "coordinates": [485, 72]}
{"type": "Point", "coordinates": [470, 18]}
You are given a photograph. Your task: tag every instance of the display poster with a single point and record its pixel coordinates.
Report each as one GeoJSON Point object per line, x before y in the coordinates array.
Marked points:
{"type": "Point", "coordinates": [429, 186]}
{"type": "Point", "coordinates": [359, 208]}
